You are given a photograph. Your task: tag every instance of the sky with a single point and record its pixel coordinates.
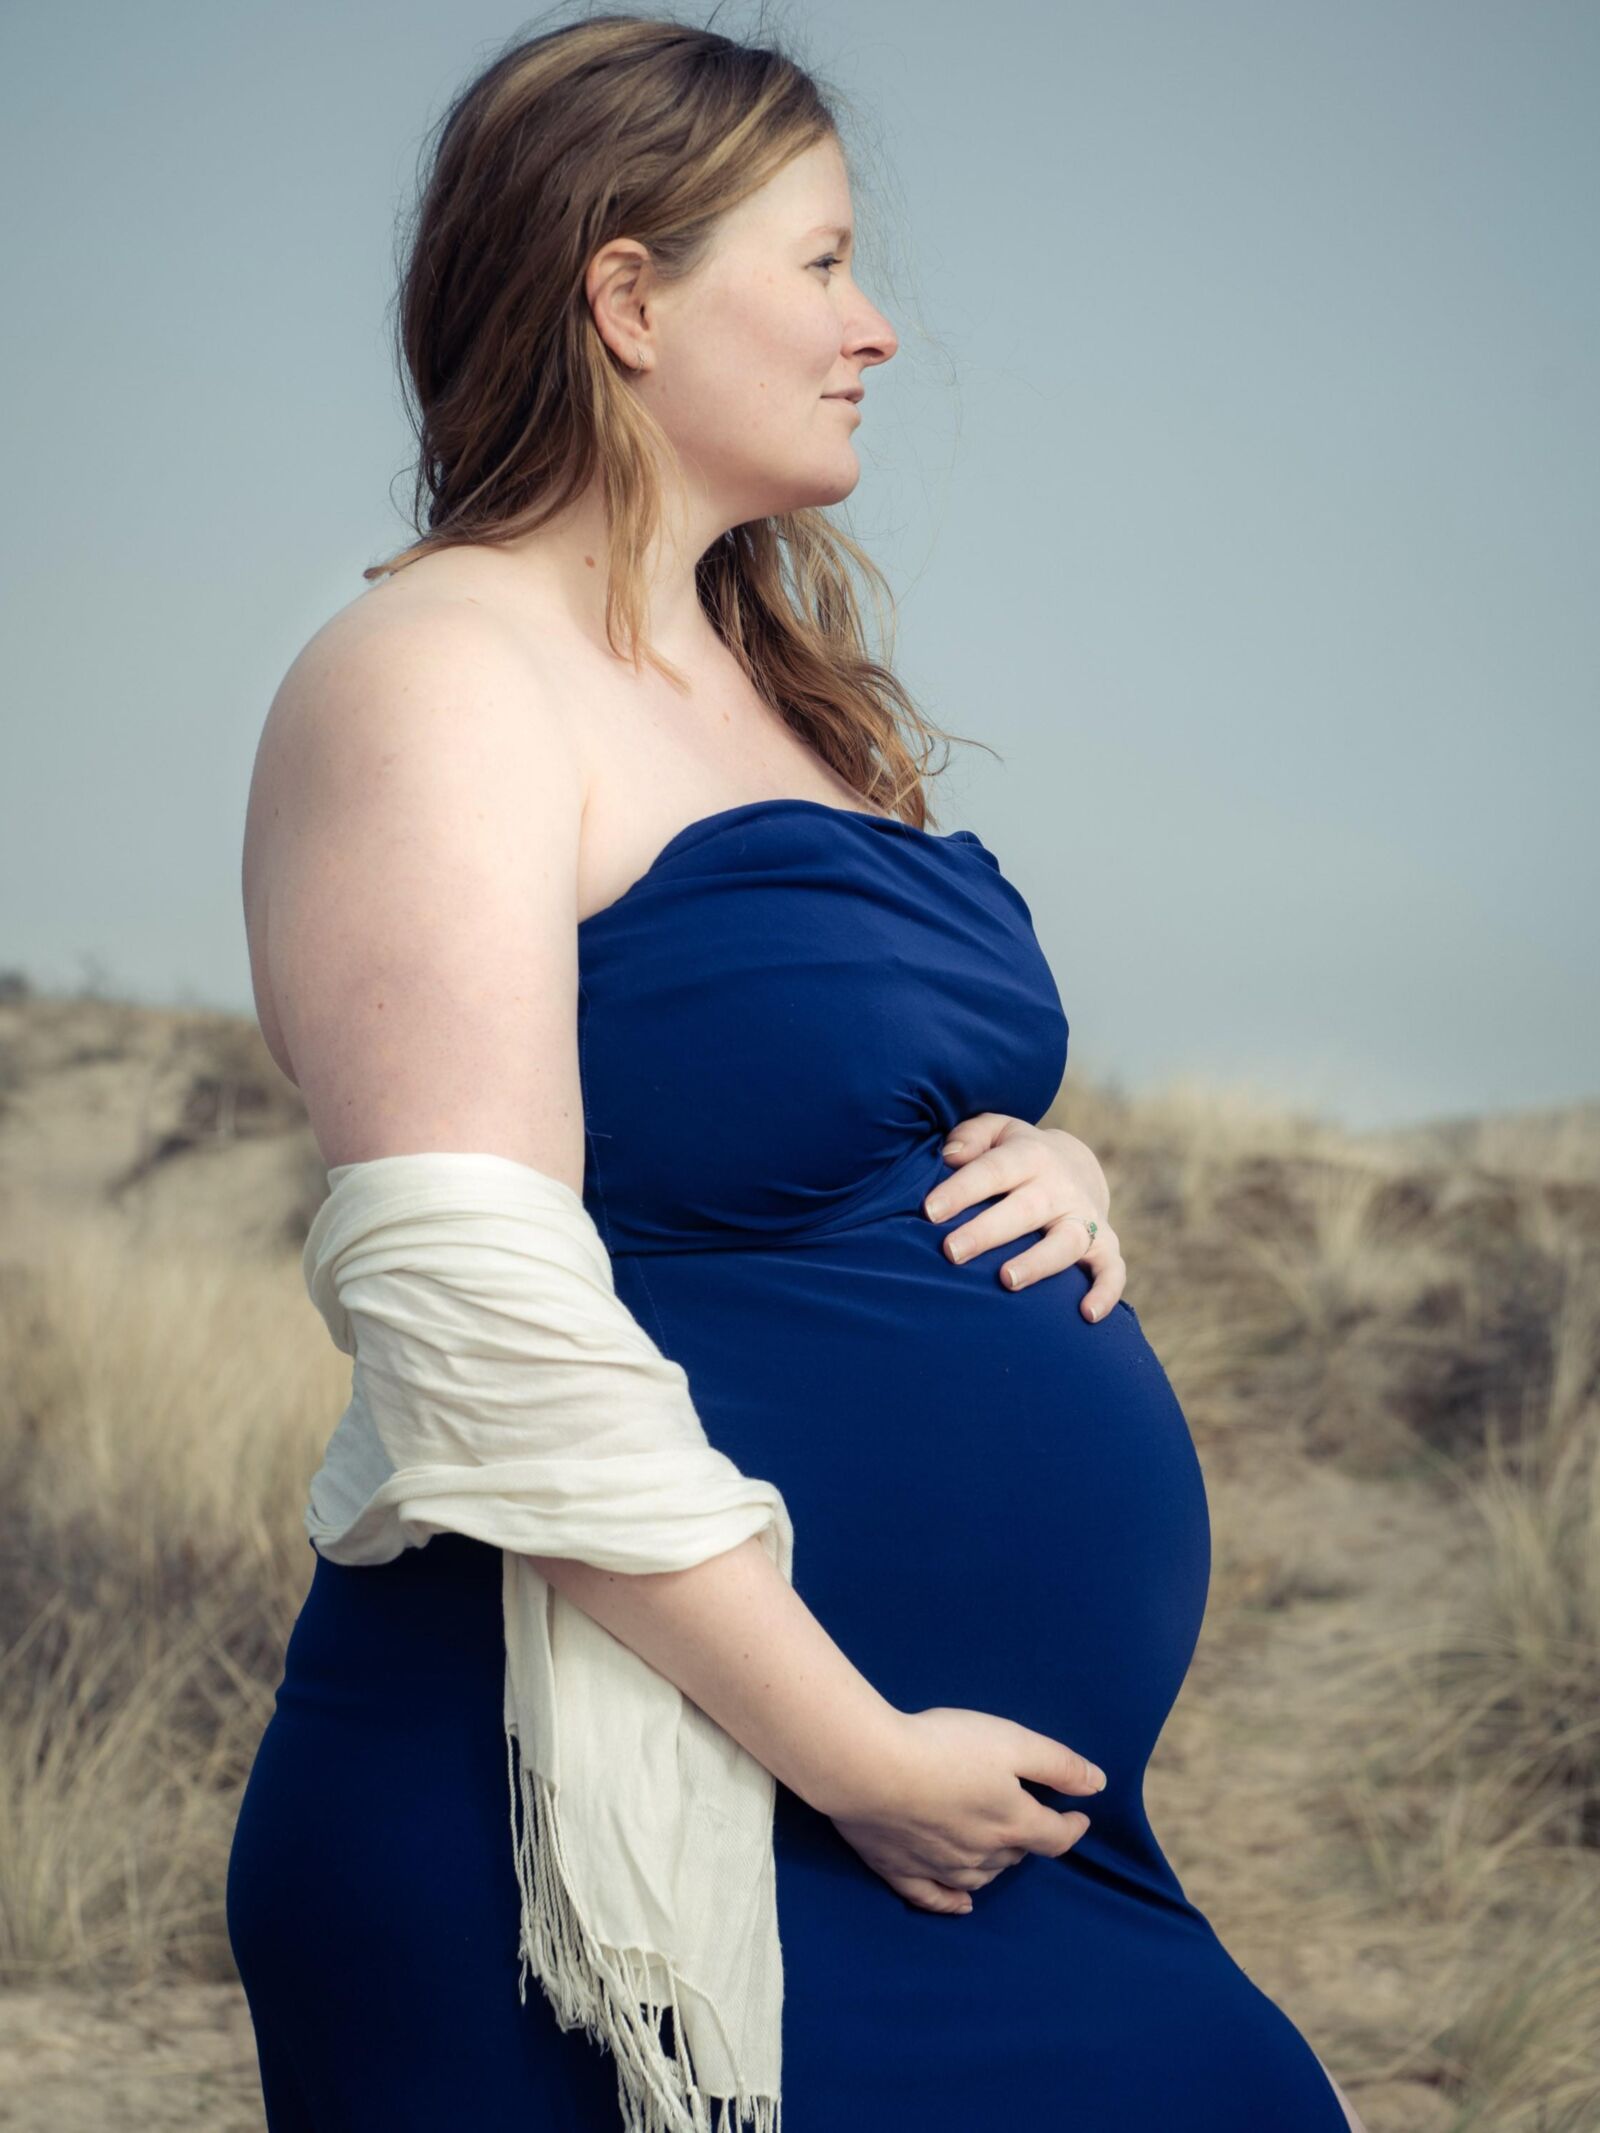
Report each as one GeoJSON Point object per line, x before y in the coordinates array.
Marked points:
{"type": "Point", "coordinates": [1237, 477]}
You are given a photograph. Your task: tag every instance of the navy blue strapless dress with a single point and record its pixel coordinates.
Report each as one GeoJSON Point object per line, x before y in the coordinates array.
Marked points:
{"type": "Point", "coordinates": [996, 1504]}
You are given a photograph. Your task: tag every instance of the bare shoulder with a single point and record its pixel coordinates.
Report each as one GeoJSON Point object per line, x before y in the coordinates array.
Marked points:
{"type": "Point", "coordinates": [410, 871]}
{"type": "Point", "coordinates": [436, 670]}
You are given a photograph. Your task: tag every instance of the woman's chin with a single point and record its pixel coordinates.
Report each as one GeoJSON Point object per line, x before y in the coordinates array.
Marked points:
{"type": "Point", "coordinates": [829, 481]}
{"type": "Point", "coordinates": [840, 480]}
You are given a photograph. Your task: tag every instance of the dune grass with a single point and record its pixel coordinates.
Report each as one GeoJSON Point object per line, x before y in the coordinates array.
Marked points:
{"type": "Point", "coordinates": [1389, 1352]}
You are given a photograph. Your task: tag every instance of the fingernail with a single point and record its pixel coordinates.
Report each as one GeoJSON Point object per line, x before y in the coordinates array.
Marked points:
{"type": "Point", "coordinates": [954, 1147]}
{"type": "Point", "coordinates": [1097, 1776]}
{"type": "Point", "coordinates": [1092, 1312]}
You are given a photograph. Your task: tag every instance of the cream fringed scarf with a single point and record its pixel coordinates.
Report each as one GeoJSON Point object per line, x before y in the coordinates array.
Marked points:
{"type": "Point", "coordinates": [501, 1390]}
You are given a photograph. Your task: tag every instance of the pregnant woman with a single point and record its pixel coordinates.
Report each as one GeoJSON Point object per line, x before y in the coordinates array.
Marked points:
{"type": "Point", "coordinates": [661, 952]}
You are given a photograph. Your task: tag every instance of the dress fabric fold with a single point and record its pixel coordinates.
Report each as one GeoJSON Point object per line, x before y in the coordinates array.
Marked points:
{"type": "Point", "coordinates": [502, 1390]}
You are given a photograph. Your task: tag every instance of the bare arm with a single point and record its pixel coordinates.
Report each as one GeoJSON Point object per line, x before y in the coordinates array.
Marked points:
{"type": "Point", "coordinates": [421, 864]}
{"type": "Point", "coordinates": [736, 1637]}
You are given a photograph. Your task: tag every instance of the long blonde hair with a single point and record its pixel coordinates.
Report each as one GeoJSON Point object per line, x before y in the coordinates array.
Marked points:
{"type": "Point", "coordinates": [625, 125]}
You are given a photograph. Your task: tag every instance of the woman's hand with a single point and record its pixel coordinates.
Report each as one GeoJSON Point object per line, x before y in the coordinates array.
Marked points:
{"type": "Point", "coordinates": [1051, 1181]}
{"type": "Point", "coordinates": [947, 1812]}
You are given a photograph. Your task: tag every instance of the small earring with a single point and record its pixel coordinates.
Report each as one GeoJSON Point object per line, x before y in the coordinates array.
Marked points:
{"type": "Point", "coordinates": [638, 359]}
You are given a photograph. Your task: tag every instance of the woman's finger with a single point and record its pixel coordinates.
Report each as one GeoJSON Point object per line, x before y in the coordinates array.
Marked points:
{"type": "Point", "coordinates": [1105, 1291]}
{"type": "Point", "coordinates": [1060, 1247]}
{"type": "Point", "coordinates": [1025, 1207]}
{"type": "Point", "coordinates": [1002, 1168]}
{"type": "Point", "coordinates": [1063, 1245]}
{"type": "Point", "coordinates": [970, 1136]}
{"type": "Point", "coordinates": [929, 1895]}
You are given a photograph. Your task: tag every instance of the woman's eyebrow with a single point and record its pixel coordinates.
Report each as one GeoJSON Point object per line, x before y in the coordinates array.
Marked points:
{"type": "Point", "coordinates": [841, 230]}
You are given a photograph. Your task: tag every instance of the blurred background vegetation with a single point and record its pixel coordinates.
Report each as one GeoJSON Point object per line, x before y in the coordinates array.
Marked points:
{"type": "Point", "coordinates": [1381, 1780]}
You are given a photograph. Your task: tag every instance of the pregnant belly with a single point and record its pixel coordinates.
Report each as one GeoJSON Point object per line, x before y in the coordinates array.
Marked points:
{"type": "Point", "coordinates": [996, 1503]}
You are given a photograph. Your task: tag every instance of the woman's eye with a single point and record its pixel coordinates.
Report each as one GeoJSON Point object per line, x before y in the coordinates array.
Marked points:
{"type": "Point", "coordinates": [832, 260]}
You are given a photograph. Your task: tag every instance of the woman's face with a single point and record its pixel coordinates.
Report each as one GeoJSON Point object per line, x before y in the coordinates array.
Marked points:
{"type": "Point", "coordinates": [747, 357]}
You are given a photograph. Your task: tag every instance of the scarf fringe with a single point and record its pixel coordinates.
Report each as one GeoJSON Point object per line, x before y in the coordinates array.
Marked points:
{"type": "Point", "coordinates": [607, 1990]}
